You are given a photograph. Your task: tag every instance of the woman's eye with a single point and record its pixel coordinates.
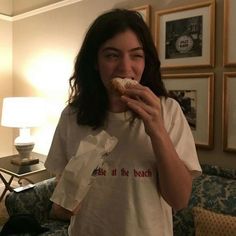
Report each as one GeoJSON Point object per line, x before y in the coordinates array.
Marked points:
{"type": "Point", "coordinates": [138, 56]}
{"type": "Point", "coordinates": [111, 55]}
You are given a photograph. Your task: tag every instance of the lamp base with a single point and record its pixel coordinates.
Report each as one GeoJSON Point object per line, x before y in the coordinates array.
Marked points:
{"type": "Point", "coordinates": [24, 157]}
{"type": "Point", "coordinates": [25, 161]}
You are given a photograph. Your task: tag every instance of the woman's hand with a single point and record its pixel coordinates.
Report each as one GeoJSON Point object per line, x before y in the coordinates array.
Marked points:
{"type": "Point", "coordinates": [146, 104]}
{"type": "Point", "coordinates": [58, 212]}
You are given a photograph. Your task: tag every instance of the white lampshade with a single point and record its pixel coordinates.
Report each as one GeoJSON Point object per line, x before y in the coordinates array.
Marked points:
{"type": "Point", "coordinates": [21, 112]}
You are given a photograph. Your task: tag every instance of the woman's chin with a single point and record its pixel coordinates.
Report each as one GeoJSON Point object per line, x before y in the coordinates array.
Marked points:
{"type": "Point", "coordinates": [121, 107]}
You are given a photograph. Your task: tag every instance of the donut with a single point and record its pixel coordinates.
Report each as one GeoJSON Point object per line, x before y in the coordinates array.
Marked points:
{"type": "Point", "coordinates": [119, 84]}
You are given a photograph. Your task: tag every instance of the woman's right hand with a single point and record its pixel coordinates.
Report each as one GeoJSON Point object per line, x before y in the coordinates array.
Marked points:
{"type": "Point", "coordinates": [58, 212]}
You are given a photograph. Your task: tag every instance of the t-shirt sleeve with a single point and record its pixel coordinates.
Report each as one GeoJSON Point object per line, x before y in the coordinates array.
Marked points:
{"type": "Point", "coordinates": [181, 136]}
{"type": "Point", "coordinates": [57, 155]}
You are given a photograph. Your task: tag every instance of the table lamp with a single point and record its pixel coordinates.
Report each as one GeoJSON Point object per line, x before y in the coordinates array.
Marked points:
{"type": "Point", "coordinates": [23, 113]}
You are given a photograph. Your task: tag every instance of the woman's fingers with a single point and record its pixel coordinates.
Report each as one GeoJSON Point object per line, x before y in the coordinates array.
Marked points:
{"type": "Point", "coordinates": [136, 103]}
{"type": "Point", "coordinates": [141, 93]}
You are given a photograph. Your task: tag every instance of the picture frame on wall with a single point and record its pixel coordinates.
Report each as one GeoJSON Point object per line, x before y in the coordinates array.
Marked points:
{"type": "Point", "coordinates": [195, 94]}
{"type": "Point", "coordinates": [185, 36]}
{"type": "Point", "coordinates": [229, 55]}
{"type": "Point", "coordinates": [145, 13]}
{"type": "Point", "coordinates": [229, 112]}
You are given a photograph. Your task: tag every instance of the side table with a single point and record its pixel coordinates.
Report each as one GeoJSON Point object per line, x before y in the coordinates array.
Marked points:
{"type": "Point", "coordinates": [19, 172]}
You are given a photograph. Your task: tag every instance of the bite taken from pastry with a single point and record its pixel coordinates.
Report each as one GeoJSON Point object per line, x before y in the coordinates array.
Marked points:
{"type": "Point", "coordinates": [120, 84]}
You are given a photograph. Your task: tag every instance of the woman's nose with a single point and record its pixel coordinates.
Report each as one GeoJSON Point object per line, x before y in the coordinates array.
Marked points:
{"type": "Point", "coordinates": [125, 64]}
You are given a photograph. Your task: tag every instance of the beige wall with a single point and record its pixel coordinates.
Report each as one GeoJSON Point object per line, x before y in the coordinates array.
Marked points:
{"type": "Point", "coordinates": [6, 7]}
{"type": "Point", "coordinates": [44, 48]}
{"type": "Point", "coordinates": [6, 134]}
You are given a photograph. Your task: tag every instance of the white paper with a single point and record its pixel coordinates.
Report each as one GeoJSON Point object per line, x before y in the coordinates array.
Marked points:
{"type": "Point", "coordinates": [76, 178]}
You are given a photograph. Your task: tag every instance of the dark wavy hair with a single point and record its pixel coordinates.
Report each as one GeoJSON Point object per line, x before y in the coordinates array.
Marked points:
{"type": "Point", "coordinates": [88, 95]}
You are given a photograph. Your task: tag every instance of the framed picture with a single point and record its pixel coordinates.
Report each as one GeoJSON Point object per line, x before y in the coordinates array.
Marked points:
{"type": "Point", "coordinates": [229, 112]}
{"type": "Point", "coordinates": [229, 33]}
{"type": "Point", "coordinates": [194, 92]}
{"type": "Point", "coordinates": [185, 36]}
{"type": "Point", "coordinates": [145, 13]}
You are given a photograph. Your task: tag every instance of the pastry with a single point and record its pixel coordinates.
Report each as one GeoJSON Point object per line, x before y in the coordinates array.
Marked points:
{"type": "Point", "coordinates": [119, 84]}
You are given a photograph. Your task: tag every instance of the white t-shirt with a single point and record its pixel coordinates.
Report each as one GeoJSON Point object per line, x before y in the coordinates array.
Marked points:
{"type": "Point", "coordinates": [124, 199]}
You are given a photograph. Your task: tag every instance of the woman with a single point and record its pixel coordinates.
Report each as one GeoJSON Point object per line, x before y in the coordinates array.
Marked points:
{"type": "Point", "coordinates": [150, 171]}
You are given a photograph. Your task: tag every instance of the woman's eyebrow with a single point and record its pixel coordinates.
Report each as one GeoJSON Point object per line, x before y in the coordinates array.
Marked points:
{"type": "Point", "coordinates": [136, 49]}
{"type": "Point", "coordinates": [117, 50]}
{"type": "Point", "coordinates": [110, 49]}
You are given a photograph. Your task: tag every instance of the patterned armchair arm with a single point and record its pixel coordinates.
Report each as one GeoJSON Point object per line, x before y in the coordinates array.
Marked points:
{"type": "Point", "coordinates": [34, 201]}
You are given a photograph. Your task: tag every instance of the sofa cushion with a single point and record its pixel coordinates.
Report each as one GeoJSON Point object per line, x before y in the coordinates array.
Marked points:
{"type": "Point", "coordinates": [210, 223]}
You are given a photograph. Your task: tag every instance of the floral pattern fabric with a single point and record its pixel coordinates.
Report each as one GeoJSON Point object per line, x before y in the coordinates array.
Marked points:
{"type": "Point", "coordinates": [36, 201]}
{"type": "Point", "coordinates": [214, 190]}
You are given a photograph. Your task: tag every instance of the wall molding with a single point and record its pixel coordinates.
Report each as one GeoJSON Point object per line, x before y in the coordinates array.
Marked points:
{"type": "Point", "coordinates": [38, 11]}
{"type": "Point", "coordinates": [5, 17]}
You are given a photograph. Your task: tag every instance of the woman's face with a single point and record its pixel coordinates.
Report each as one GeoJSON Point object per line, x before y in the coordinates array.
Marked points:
{"type": "Point", "coordinates": [121, 56]}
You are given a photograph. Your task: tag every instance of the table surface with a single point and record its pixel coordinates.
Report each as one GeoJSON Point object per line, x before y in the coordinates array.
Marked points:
{"type": "Point", "coordinates": [21, 171]}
